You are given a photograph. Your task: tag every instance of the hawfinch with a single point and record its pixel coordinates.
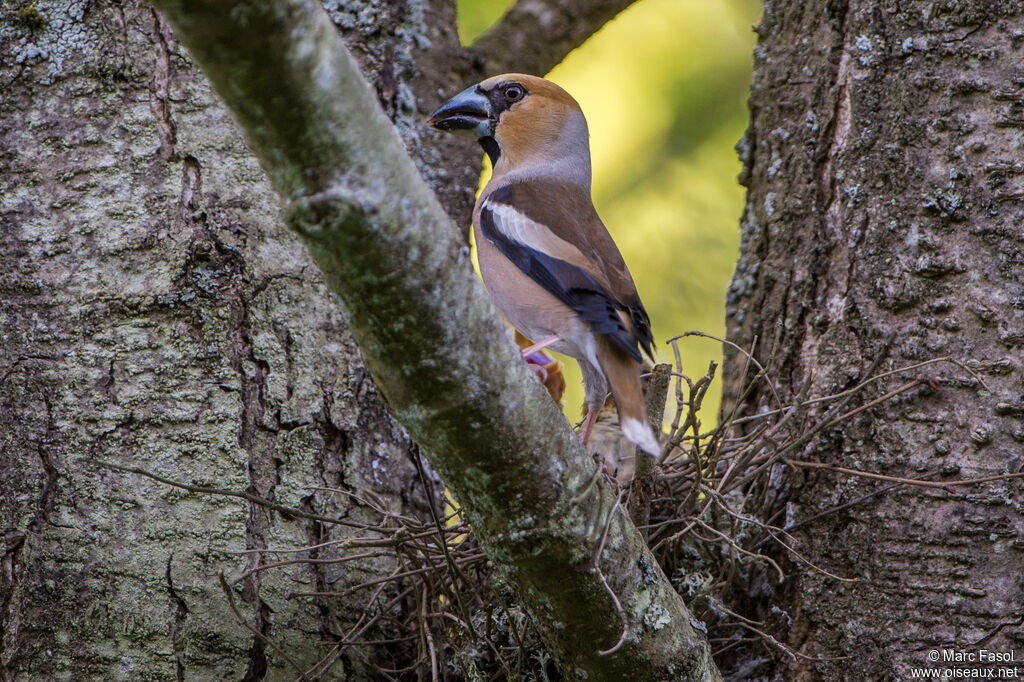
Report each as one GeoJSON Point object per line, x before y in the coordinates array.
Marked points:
{"type": "Point", "coordinates": [546, 258]}
{"type": "Point", "coordinates": [614, 454]}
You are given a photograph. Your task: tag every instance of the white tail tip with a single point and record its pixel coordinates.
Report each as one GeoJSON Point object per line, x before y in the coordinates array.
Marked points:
{"type": "Point", "coordinates": [641, 434]}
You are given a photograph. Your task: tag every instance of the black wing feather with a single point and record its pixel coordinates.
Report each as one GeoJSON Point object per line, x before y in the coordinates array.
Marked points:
{"type": "Point", "coordinates": [642, 327]}
{"type": "Point", "coordinates": [573, 286]}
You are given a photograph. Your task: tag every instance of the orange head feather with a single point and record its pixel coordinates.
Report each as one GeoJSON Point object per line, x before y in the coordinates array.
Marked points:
{"type": "Point", "coordinates": [519, 118]}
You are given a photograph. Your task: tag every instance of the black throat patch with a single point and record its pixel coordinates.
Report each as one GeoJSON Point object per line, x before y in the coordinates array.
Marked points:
{"type": "Point", "coordinates": [490, 146]}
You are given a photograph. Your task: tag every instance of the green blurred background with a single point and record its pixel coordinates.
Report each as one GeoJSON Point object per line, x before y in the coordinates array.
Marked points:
{"type": "Point", "coordinates": [664, 88]}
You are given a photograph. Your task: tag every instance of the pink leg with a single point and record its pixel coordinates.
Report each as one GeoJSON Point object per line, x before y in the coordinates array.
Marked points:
{"type": "Point", "coordinates": [541, 345]}
{"type": "Point", "coordinates": [588, 423]}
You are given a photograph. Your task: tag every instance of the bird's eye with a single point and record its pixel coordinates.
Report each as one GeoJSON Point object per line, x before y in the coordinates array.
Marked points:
{"type": "Point", "coordinates": [513, 93]}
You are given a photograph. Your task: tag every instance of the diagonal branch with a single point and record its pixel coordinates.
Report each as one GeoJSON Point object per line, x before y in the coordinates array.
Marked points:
{"type": "Point", "coordinates": [435, 347]}
{"type": "Point", "coordinates": [535, 35]}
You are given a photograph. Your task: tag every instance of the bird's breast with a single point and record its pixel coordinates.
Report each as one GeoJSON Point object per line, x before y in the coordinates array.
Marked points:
{"type": "Point", "coordinates": [526, 305]}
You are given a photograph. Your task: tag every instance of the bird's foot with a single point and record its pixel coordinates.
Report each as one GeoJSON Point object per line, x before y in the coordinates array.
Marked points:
{"type": "Point", "coordinates": [540, 345]}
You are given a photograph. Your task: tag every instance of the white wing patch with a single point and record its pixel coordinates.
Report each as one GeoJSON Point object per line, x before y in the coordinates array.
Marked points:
{"type": "Point", "coordinates": [527, 232]}
{"type": "Point", "coordinates": [515, 225]}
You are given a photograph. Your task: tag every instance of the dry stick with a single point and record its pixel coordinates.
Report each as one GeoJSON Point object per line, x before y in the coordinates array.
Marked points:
{"type": "Point", "coordinates": [880, 399]}
{"type": "Point", "coordinates": [375, 505]}
{"type": "Point", "coordinates": [838, 508]}
{"type": "Point", "coordinates": [332, 656]}
{"type": "Point", "coordinates": [901, 480]}
{"type": "Point", "coordinates": [723, 427]}
{"type": "Point", "coordinates": [351, 638]}
{"type": "Point", "coordinates": [643, 480]}
{"type": "Point", "coordinates": [429, 635]}
{"type": "Point", "coordinates": [245, 624]}
{"type": "Point", "coordinates": [359, 628]}
{"type": "Point", "coordinates": [380, 507]}
{"type": "Point", "coordinates": [750, 624]}
{"type": "Point", "coordinates": [280, 550]}
{"type": "Point", "coordinates": [388, 674]}
{"type": "Point", "coordinates": [290, 562]}
{"type": "Point", "coordinates": [697, 393]}
{"type": "Point", "coordinates": [424, 636]}
{"type": "Point", "coordinates": [679, 386]}
{"type": "Point", "coordinates": [452, 566]}
{"type": "Point", "coordinates": [734, 643]}
{"type": "Point", "coordinates": [828, 421]}
{"type": "Point", "coordinates": [692, 522]}
{"type": "Point", "coordinates": [804, 439]}
{"type": "Point", "coordinates": [741, 463]}
{"type": "Point", "coordinates": [727, 573]}
{"type": "Point", "coordinates": [394, 576]}
{"type": "Point", "coordinates": [732, 543]}
{"type": "Point", "coordinates": [354, 542]}
{"type": "Point", "coordinates": [697, 390]}
{"type": "Point", "coordinates": [422, 596]}
{"type": "Point", "coordinates": [771, 532]}
{"type": "Point", "coordinates": [597, 567]}
{"type": "Point", "coordinates": [255, 499]}
{"type": "Point", "coordinates": [989, 636]}
{"type": "Point", "coordinates": [762, 371]}
{"type": "Point", "coordinates": [393, 542]}
{"type": "Point", "coordinates": [858, 387]}
{"type": "Point", "coordinates": [749, 451]}
{"type": "Point", "coordinates": [841, 507]}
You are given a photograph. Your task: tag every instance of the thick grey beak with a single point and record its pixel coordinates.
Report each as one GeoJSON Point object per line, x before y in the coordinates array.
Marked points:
{"type": "Point", "coordinates": [469, 110]}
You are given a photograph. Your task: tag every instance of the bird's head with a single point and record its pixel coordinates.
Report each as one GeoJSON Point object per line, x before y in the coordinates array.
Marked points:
{"type": "Point", "coordinates": [517, 118]}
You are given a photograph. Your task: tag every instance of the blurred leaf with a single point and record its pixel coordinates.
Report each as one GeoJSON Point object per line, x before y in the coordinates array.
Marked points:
{"type": "Point", "coordinates": [476, 16]}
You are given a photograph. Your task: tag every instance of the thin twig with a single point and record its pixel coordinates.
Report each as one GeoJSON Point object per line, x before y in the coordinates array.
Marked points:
{"type": "Point", "coordinates": [597, 566]}
{"type": "Point", "coordinates": [244, 495]}
{"type": "Point", "coordinates": [266, 640]}
{"type": "Point", "coordinates": [904, 481]}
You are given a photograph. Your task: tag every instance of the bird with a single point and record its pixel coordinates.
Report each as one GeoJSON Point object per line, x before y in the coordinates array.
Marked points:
{"type": "Point", "coordinates": [546, 258]}
{"type": "Point", "coordinates": [615, 455]}
{"type": "Point", "coordinates": [548, 369]}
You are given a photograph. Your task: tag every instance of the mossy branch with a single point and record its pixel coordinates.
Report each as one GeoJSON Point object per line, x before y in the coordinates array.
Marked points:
{"type": "Point", "coordinates": [433, 342]}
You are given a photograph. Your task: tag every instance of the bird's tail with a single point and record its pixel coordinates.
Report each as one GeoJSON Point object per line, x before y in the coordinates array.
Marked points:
{"type": "Point", "coordinates": [623, 373]}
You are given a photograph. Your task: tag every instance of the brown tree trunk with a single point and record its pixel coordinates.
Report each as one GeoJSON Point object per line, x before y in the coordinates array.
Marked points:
{"type": "Point", "coordinates": [158, 314]}
{"type": "Point", "coordinates": [883, 229]}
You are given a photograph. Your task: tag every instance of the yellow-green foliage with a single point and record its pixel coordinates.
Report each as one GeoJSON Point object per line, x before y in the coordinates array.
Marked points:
{"type": "Point", "coordinates": [664, 89]}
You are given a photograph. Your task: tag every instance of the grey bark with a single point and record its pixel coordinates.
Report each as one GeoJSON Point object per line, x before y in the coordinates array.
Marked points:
{"type": "Point", "coordinates": [883, 221]}
{"type": "Point", "coordinates": [157, 314]}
